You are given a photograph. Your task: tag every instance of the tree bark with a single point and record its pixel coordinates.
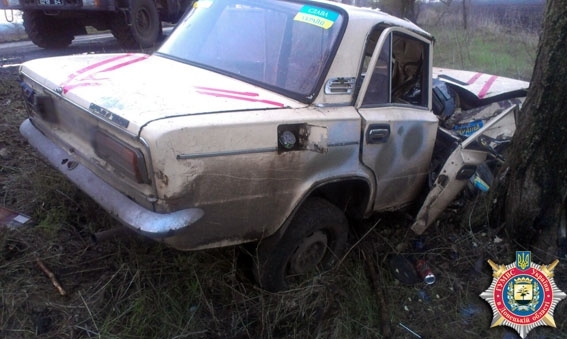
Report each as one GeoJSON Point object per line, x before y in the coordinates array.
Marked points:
{"type": "Point", "coordinates": [465, 15]}
{"type": "Point", "coordinates": [409, 10]}
{"type": "Point", "coordinates": [531, 199]}
{"type": "Point", "coordinates": [400, 8]}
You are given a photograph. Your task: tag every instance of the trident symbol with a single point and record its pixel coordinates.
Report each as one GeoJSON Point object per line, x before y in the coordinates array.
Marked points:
{"type": "Point", "coordinates": [523, 259]}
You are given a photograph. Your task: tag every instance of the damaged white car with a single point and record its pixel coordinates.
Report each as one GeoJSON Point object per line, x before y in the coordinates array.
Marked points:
{"type": "Point", "coordinates": [274, 123]}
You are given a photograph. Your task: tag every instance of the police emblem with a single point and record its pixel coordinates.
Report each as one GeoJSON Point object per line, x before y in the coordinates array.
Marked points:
{"type": "Point", "coordinates": [523, 295]}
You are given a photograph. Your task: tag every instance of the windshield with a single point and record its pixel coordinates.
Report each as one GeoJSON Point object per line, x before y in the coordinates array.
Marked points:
{"type": "Point", "coordinates": [284, 46]}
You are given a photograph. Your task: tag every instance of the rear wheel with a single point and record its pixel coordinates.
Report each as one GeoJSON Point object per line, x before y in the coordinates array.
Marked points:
{"type": "Point", "coordinates": [47, 32]}
{"type": "Point", "coordinates": [314, 240]}
{"type": "Point", "coordinates": [144, 28]}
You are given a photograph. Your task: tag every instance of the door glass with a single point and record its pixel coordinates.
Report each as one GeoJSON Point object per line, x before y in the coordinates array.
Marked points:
{"type": "Point", "coordinates": [409, 71]}
{"type": "Point", "coordinates": [378, 91]}
{"type": "Point", "coordinates": [401, 72]}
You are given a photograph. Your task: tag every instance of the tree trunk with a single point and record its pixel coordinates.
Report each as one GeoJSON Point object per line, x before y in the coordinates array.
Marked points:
{"type": "Point", "coordinates": [409, 10]}
{"type": "Point", "coordinates": [400, 8]}
{"type": "Point", "coordinates": [531, 199]}
{"type": "Point", "coordinates": [465, 15]}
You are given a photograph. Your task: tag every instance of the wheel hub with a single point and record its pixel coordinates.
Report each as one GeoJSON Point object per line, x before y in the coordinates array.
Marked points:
{"type": "Point", "coordinates": [142, 21]}
{"type": "Point", "coordinates": [309, 253]}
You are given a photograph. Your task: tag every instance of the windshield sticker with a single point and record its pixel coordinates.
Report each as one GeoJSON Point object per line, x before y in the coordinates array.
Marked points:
{"type": "Point", "coordinates": [317, 16]}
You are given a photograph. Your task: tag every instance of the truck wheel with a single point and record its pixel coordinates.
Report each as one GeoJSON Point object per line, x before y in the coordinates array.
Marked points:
{"type": "Point", "coordinates": [47, 32]}
{"type": "Point", "coordinates": [145, 25]}
{"type": "Point", "coordinates": [315, 239]}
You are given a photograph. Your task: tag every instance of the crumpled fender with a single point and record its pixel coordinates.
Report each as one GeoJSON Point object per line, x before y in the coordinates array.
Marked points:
{"type": "Point", "coordinates": [456, 171]}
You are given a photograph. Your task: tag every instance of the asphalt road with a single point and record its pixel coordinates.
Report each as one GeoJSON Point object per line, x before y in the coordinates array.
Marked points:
{"type": "Point", "coordinates": [14, 53]}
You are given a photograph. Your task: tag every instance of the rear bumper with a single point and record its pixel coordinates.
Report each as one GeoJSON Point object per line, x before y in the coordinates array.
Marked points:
{"type": "Point", "coordinates": [148, 223]}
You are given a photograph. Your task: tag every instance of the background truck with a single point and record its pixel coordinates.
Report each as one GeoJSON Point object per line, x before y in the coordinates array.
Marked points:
{"type": "Point", "coordinates": [135, 23]}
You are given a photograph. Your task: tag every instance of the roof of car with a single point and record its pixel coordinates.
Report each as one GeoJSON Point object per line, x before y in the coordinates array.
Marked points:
{"type": "Point", "coordinates": [371, 16]}
{"type": "Point", "coordinates": [361, 21]}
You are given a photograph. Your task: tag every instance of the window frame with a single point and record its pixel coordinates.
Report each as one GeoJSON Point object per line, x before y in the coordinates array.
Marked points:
{"type": "Point", "coordinates": [306, 94]}
{"type": "Point", "coordinates": [386, 35]}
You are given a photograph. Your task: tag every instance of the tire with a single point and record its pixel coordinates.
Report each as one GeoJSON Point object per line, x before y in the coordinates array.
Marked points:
{"type": "Point", "coordinates": [315, 239]}
{"type": "Point", "coordinates": [144, 29]}
{"type": "Point", "coordinates": [46, 31]}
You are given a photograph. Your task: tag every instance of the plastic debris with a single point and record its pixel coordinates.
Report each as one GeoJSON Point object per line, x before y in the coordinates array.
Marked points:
{"type": "Point", "coordinates": [469, 311]}
{"type": "Point", "coordinates": [12, 219]}
{"type": "Point", "coordinates": [424, 296]}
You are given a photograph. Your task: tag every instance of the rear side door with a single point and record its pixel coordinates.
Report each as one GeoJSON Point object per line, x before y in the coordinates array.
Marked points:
{"type": "Point", "coordinates": [398, 124]}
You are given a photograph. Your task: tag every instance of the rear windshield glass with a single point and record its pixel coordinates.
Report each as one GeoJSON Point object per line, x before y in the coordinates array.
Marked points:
{"type": "Point", "coordinates": [282, 45]}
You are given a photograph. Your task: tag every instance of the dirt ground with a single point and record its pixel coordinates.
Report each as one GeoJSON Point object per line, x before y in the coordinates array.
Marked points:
{"type": "Point", "coordinates": [131, 288]}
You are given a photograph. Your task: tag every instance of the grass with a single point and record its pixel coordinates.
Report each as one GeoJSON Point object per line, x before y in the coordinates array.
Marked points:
{"type": "Point", "coordinates": [486, 50]}
{"type": "Point", "coordinates": [484, 47]}
{"type": "Point", "coordinates": [132, 288]}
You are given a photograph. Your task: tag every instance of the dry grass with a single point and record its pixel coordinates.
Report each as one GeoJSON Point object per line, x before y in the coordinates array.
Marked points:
{"type": "Point", "coordinates": [484, 46]}
{"type": "Point", "coordinates": [131, 288]}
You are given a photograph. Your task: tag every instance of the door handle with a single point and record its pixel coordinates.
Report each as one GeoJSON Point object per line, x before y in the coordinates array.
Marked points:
{"type": "Point", "coordinates": [377, 134]}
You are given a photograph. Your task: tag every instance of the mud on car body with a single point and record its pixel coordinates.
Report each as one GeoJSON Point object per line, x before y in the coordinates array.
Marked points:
{"type": "Point", "coordinates": [272, 123]}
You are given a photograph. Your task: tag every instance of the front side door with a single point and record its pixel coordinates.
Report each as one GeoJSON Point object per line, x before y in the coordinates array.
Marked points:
{"type": "Point", "coordinates": [398, 125]}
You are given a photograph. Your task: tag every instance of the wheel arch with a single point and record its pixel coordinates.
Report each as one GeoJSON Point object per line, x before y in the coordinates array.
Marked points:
{"type": "Point", "coordinates": [350, 194]}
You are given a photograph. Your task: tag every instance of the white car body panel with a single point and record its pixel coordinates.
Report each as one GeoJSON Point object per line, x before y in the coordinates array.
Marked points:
{"type": "Point", "coordinates": [482, 85]}
{"type": "Point", "coordinates": [142, 88]}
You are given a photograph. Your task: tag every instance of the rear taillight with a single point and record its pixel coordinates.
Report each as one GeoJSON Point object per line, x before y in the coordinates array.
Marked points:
{"type": "Point", "coordinates": [121, 156]}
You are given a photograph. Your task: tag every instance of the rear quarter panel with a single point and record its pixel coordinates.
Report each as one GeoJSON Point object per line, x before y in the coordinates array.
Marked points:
{"type": "Point", "coordinates": [229, 165]}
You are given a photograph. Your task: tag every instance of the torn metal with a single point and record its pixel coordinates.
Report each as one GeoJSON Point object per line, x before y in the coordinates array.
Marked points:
{"type": "Point", "coordinates": [461, 165]}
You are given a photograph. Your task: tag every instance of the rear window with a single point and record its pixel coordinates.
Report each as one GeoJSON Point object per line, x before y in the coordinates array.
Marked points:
{"type": "Point", "coordinates": [285, 46]}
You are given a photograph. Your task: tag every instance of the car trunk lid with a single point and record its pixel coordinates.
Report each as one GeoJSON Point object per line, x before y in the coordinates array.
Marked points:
{"type": "Point", "coordinates": [133, 89]}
